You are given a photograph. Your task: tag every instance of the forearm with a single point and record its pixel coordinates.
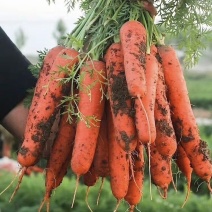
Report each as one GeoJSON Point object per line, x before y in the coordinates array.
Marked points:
{"type": "Point", "coordinates": [15, 121]}
{"type": "Point", "coordinates": [15, 80]}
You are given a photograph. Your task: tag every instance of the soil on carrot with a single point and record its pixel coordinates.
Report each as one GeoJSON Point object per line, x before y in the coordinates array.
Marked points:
{"type": "Point", "coordinates": [158, 58]}
{"type": "Point", "coordinates": [203, 149]}
{"type": "Point", "coordinates": [188, 138]}
{"type": "Point", "coordinates": [45, 129]}
{"type": "Point", "coordinates": [23, 151]}
{"type": "Point", "coordinates": [127, 139]}
{"type": "Point", "coordinates": [141, 56]}
{"type": "Point", "coordinates": [142, 53]}
{"type": "Point", "coordinates": [178, 131]}
{"type": "Point", "coordinates": [161, 108]}
{"type": "Point", "coordinates": [120, 94]}
{"type": "Point", "coordinates": [164, 127]}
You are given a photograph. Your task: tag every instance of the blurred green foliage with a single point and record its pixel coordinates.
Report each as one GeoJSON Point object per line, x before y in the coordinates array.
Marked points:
{"type": "Point", "coordinates": [200, 89]}
{"type": "Point", "coordinates": [30, 194]}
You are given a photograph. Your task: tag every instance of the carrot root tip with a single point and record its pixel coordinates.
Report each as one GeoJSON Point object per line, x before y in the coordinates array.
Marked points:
{"type": "Point", "coordinates": [75, 191]}
{"type": "Point", "coordinates": [23, 171]}
{"type": "Point", "coordinates": [117, 205]}
{"type": "Point", "coordinates": [209, 187]}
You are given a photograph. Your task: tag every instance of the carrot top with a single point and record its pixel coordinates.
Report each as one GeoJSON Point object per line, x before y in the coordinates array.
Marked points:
{"type": "Point", "coordinates": [99, 27]}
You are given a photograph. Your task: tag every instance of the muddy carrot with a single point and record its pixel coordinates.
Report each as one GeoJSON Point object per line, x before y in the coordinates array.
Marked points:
{"type": "Point", "coordinates": [120, 100]}
{"type": "Point", "coordinates": [165, 141]}
{"type": "Point", "coordinates": [183, 118]}
{"type": "Point", "coordinates": [91, 107]}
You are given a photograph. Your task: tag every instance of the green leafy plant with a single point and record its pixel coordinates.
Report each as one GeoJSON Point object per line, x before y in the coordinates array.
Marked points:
{"type": "Point", "coordinates": [189, 19]}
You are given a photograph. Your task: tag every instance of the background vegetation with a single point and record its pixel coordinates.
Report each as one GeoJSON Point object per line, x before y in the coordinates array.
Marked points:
{"type": "Point", "coordinates": [200, 89]}
{"type": "Point", "coordinates": [31, 193]}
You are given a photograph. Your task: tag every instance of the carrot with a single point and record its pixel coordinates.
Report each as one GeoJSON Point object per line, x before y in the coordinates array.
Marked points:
{"type": "Point", "coordinates": [100, 161]}
{"type": "Point", "coordinates": [46, 66]}
{"type": "Point", "coordinates": [35, 169]}
{"type": "Point", "coordinates": [183, 119]}
{"type": "Point", "coordinates": [45, 105]}
{"type": "Point", "coordinates": [134, 193]}
{"type": "Point", "coordinates": [90, 178]}
{"type": "Point", "coordinates": [118, 162]}
{"type": "Point", "coordinates": [133, 42]}
{"type": "Point", "coordinates": [184, 166]}
{"type": "Point", "coordinates": [144, 109]}
{"type": "Point", "coordinates": [120, 100]}
{"type": "Point", "coordinates": [133, 38]}
{"type": "Point", "coordinates": [160, 169]}
{"type": "Point", "coordinates": [92, 88]}
{"type": "Point", "coordinates": [101, 157]}
{"type": "Point", "coordinates": [91, 107]}
{"type": "Point", "coordinates": [165, 141]}
{"type": "Point", "coordinates": [44, 108]}
{"type": "Point", "coordinates": [53, 184]}
{"type": "Point", "coordinates": [60, 156]}
{"type": "Point", "coordinates": [146, 125]}
{"type": "Point", "coordinates": [51, 56]}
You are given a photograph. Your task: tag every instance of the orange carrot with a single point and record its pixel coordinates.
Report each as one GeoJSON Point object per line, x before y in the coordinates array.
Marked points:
{"type": "Point", "coordinates": [165, 142]}
{"type": "Point", "coordinates": [133, 42]}
{"type": "Point", "coordinates": [160, 169]}
{"type": "Point", "coordinates": [144, 119]}
{"type": "Point", "coordinates": [120, 100]}
{"type": "Point", "coordinates": [118, 162]}
{"type": "Point", "coordinates": [45, 105]}
{"type": "Point", "coordinates": [184, 166]}
{"type": "Point", "coordinates": [92, 88]}
{"type": "Point", "coordinates": [101, 157]}
{"type": "Point", "coordinates": [91, 107]}
{"type": "Point", "coordinates": [90, 178]}
{"type": "Point", "coordinates": [183, 119]}
{"type": "Point", "coordinates": [100, 162]}
{"type": "Point", "coordinates": [134, 193]}
{"type": "Point", "coordinates": [35, 169]}
{"type": "Point", "coordinates": [50, 57]}
{"type": "Point", "coordinates": [57, 164]}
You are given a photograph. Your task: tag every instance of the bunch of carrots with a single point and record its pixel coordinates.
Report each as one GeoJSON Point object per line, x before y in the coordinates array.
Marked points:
{"type": "Point", "coordinates": [118, 112]}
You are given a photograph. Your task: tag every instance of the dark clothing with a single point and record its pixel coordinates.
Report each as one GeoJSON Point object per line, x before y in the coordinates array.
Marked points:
{"type": "Point", "coordinates": [15, 76]}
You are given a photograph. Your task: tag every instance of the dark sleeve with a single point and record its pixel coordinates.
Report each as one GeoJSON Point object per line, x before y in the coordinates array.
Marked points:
{"type": "Point", "coordinates": [15, 76]}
